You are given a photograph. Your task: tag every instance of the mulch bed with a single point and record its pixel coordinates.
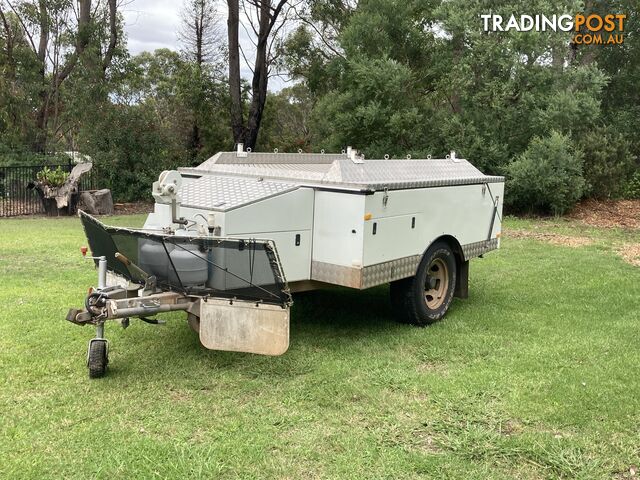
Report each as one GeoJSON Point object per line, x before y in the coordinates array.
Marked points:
{"type": "Point", "coordinates": [608, 213]}
{"type": "Point", "coordinates": [553, 238]}
{"type": "Point", "coordinates": [596, 213]}
{"type": "Point", "coordinates": [631, 253]}
{"type": "Point", "coordinates": [133, 208]}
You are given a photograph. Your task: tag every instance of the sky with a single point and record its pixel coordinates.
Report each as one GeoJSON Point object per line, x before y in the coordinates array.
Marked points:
{"type": "Point", "coordinates": [153, 24]}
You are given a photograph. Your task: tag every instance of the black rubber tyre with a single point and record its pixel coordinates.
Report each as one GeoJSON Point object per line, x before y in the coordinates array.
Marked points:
{"type": "Point", "coordinates": [425, 298]}
{"type": "Point", "coordinates": [98, 359]}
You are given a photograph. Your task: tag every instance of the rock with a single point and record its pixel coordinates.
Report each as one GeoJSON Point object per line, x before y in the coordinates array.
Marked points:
{"type": "Point", "coordinates": [104, 201]}
{"type": "Point", "coordinates": [87, 203]}
{"type": "Point", "coordinates": [97, 202]}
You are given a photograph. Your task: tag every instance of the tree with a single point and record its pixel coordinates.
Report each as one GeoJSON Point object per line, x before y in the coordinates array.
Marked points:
{"type": "Point", "coordinates": [8, 41]}
{"type": "Point", "coordinates": [621, 95]}
{"type": "Point", "coordinates": [16, 81]}
{"type": "Point", "coordinates": [269, 20]}
{"type": "Point", "coordinates": [383, 81]}
{"type": "Point", "coordinates": [200, 32]}
{"type": "Point", "coordinates": [60, 41]}
{"type": "Point", "coordinates": [286, 124]}
{"type": "Point", "coordinates": [202, 45]}
{"type": "Point", "coordinates": [418, 77]}
{"type": "Point", "coordinates": [422, 77]}
{"type": "Point", "coordinates": [149, 121]}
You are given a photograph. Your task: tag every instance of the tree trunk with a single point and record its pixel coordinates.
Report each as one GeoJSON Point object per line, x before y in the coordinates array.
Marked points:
{"type": "Point", "coordinates": [260, 78]}
{"type": "Point", "coordinates": [589, 52]}
{"type": "Point", "coordinates": [42, 117]}
{"type": "Point", "coordinates": [199, 34]}
{"type": "Point", "coordinates": [196, 142]}
{"type": "Point", "coordinates": [267, 18]}
{"type": "Point", "coordinates": [237, 121]}
{"type": "Point", "coordinates": [113, 36]}
{"type": "Point", "coordinates": [11, 61]}
{"type": "Point", "coordinates": [50, 91]}
{"type": "Point", "coordinates": [458, 50]}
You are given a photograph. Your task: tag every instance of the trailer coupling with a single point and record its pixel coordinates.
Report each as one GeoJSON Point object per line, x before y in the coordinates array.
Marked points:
{"type": "Point", "coordinates": [112, 303]}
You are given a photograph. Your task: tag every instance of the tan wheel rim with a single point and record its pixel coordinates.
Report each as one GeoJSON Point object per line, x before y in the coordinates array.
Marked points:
{"type": "Point", "coordinates": [437, 284]}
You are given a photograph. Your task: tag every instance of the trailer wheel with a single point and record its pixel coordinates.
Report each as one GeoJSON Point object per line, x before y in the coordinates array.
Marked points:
{"type": "Point", "coordinates": [194, 322]}
{"type": "Point", "coordinates": [425, 298]}
{"type": "Point", "coordinates": [98, 360]}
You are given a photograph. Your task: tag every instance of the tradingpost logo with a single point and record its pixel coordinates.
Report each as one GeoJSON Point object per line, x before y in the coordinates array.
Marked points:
{"type": "Point", "coordinates": [591, 29]}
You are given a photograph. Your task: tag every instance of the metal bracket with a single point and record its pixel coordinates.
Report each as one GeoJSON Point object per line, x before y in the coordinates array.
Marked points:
{"type": "Point", "coordinates": [149, 280]}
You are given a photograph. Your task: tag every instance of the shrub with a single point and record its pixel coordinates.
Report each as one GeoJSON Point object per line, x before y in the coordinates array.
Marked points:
{"type": "Point", "coordinates": [52, 178]}
{"type": "Point", "coordinates": [632, 189]}
{"type": "Point", "coordinates": [127, 182]}
{"type": "Point", "coordinates": [130, 158]}
{"type": "Point", "coordinates": [608, 162]}
{"type": "Point", "coordinates": [546, 177]}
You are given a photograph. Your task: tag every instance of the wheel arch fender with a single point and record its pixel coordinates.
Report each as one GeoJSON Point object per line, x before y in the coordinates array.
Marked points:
{"type": "Point", "coordinates": [462, 265]}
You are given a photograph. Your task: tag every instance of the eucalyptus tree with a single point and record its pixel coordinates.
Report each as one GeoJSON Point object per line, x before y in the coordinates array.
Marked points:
{"type": "Point", "coordinates": [62, 36]}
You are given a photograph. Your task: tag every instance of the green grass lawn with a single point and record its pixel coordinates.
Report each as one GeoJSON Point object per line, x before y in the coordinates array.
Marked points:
{"type": "Point", "coordinates": [536, 375]}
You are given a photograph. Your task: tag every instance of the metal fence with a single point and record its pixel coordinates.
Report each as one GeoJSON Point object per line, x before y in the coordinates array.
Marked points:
{"type": "Point", "coordinates": [16, 198]}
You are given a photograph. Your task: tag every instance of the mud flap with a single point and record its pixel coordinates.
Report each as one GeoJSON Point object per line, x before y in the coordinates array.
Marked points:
{"type": "Point", "coordinates": [244, 326]}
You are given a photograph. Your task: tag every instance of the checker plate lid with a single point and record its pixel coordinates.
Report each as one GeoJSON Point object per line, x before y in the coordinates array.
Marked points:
{"type": "Point", "coordinates": [338, 171]}
{"type": "Point", "coordinates": [224, 193]}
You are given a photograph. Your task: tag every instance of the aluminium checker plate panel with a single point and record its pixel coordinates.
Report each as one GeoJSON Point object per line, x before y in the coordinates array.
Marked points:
{"type": "Point", "coordinates": [390, 271]}
{"type": "Point", "coordinates": [336, 171]}
{"type": "Point", "coordinates": [406, 174]}
{"type": "Point", "coordinates": [476, 249]}
{"type": "Point", "coordinates": [224, 193]}
{"type": "Point", "coordinates": [281, 171]}
{"type": "Point", "coordinates": [385, 272]}
{"type": "Point", "coordinates": [232, 158]}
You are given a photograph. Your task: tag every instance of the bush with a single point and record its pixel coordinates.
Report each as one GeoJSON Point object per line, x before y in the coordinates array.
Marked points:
{"type": "Point", "coordinates": [128, 182]}
{"type": "Point", "coordinates": [52, 178]}
{"type": "Point", "coordinates": [608, 162]}
{"type": "Point", "coordinates": [131, 156]}
{"type": "Point", "coordinates": [632, 189]}
{"type": "Point", "coordinates": [547, 177]}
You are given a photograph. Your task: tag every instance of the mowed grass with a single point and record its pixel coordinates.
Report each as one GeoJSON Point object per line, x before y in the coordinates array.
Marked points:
{"type": "Point", "coordinates": [536, 375]}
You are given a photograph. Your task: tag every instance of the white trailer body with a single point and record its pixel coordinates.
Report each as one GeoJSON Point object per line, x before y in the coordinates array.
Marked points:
{"type": "Point", "coordinates": [230, 239]}
{"type": "Point", "coordinates": [366, 225]}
